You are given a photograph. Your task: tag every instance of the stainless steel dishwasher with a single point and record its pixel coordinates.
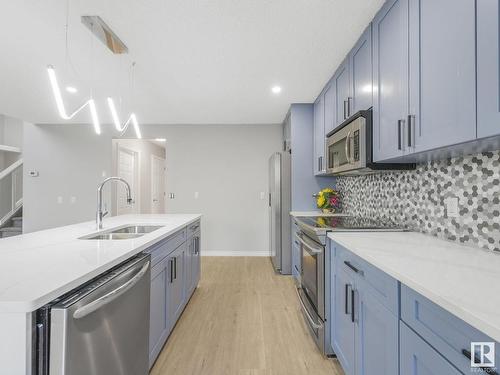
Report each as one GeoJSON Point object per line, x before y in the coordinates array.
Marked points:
{"type": "Point", "coordinates": [100, 329]}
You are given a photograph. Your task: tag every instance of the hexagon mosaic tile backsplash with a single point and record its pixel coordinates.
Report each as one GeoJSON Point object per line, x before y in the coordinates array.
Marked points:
{"type": "Point", "coordinates": [416, 199]}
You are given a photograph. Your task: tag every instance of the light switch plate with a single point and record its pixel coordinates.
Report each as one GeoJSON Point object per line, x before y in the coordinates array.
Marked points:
{"type": "Point", "coordinates": [452, 207]}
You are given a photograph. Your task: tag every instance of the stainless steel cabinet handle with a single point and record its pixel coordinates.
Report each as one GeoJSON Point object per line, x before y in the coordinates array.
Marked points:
{"type": "Point", "coordinates": [353, 296]}
{"type": "Point", "coordinates": [349, 107]}
{"type": "Point", "coordinates": [400, 130]}
{"type": "Point", "coordinates": [346, 304]}
{"type": "Point", "coordinates": [175, 268]}
{"type": "Point", "coordinates": [411, 127]}
{"type": "Point", "coordinates": [171, 261]}
{"type": "Point", "coordinates": [321, 163]}
{"type": "Point", "coordinates": [345, 109]}
{"type": "Point", "coordinates": [111, 296]}
{"type": "Point", "coordinates": [355, 269]}
{"type": "Point", "coordinates": [306, 312]}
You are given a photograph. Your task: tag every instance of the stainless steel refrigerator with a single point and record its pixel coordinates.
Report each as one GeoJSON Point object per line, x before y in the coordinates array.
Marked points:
{"type": "Point", "coordinates": [279, 212]}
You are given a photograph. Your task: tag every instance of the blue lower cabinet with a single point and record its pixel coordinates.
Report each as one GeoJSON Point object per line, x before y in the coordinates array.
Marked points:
{"type": "Point", "coordinates": [419, 358]}
{"type": "Point", "coordinates": [377, 336]}
{"type": "Point", "coordinates": [176, 284]}
{"type": "Point", "coordinates": [158, 319]}
{"type": "Point", "coordinates": [364, 331]}
{"type": "Point", "coordinates": [343, 335]}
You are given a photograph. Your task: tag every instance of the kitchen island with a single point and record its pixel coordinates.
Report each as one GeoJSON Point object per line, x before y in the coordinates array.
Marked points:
{"type": "Point", "coordinates": [38, 267]}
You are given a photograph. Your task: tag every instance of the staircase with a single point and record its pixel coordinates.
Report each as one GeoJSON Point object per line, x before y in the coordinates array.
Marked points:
{"type": "Point", "coordinates": [13, 226]}
{"type": "Point", "coordinates": [11, 200]}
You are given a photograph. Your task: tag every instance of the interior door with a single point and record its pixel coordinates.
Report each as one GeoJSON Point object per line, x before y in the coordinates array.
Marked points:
{"type": "Point", "coordinates": [128, 169]}
{"type": "Point", "coordinates": [157, 185]}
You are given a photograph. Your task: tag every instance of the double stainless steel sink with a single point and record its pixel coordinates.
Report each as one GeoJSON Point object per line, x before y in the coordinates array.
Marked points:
{"type": "Point", "coordinates": [123, 233]}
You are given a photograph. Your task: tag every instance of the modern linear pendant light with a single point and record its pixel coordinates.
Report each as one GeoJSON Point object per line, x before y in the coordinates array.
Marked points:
{"type": "Point", "coordinates": [132, 118]}
{"type": "Point", "coordinates": [56, 90]}
{"type": "Point", "coordinates": [103, 32]}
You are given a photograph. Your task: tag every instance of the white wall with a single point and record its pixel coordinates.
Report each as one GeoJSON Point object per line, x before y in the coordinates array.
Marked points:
{"type": "Point", "coordinates": [145, 149]}
{"type": "Point", "coordinates": [226, 164]}
{"type": "Point", "coordinates": [71, 161]}
{"type": "Point", "coordinates": [228, 167]}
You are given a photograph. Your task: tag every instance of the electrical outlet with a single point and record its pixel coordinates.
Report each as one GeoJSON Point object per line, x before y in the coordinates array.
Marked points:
{"type": "Point", "coordinates": [452, 207]}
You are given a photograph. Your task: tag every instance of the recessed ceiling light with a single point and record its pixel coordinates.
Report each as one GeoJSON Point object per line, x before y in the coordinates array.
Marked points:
{"type": "Point", "coordinates": [160, 139]}
{"type": "Point", "coordinates": [276, 89]}
{"type": "Point", "coordinates": [71, 89]}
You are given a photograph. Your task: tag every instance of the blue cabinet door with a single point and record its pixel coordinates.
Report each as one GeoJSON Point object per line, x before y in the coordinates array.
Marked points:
{"type": "Point", "coordinates": [188, 268]}
{"type": "Point", "coordinates": [361, 71]}
{"type": "Point", "coordinates": [196, 262]}
{"type": "Point", "coordinates": [343, 338]}
{"type": "Point", "coordinates": [488, 68]}
{"type": "Point", "coordinates": [419, 358]}
{"type": "Point", "coordinates": [390, 79]}
{"type": "Point", "coordinates": [342, 93]}
{"type": "Point", "coordinates": [319, 164]}
{"type": "Point", "coordinates": [377, 336]}
{"type": "Point", "coordinates": [329, 98]}
{"type": "Point", "coordinates": [158, 319]}
{"type": "Point", "coordinates": [175, 284]}
{"type": "Point", "coordinates": [442, 74]}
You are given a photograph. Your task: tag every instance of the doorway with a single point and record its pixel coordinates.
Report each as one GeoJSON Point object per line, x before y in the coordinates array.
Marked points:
{"type": "Point", "coordinates": [128, 169]}
{"type": "Point", "coordinates": [157, 185]}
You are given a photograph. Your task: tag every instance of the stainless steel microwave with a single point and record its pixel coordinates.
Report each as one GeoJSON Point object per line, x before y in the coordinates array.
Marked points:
{"type": "Point", "coordinates": [349, 148]}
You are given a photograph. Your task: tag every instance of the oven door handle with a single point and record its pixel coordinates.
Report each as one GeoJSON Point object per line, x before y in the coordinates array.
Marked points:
{"type": "Point", "coordinates": [314, 250]}
{"type": "Point", "coordinates": [309, 317]}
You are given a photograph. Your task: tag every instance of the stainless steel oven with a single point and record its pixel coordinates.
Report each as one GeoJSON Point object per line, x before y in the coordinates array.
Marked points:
{"type": "Point", "coordinates": [312, 286]}
{"type": "Point", "coordinates": [350, 148]}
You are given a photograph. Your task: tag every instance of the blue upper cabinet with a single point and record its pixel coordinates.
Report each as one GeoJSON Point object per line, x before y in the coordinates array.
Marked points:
{"type": "Point", "coordinates": [330, 102]}
{"type": "Point", "coordinates": [390, 79]}
{"type": "Point", "coordinates": [488, 68]}
{"type": "Point", "coordinates": [361, 71]}
{"type": "Point", "coordinates": [343, 98]}
{"type": "Point", "coordinates": [319, 137]}
{"type": "Point", "coordinates": [442, 74]}
{"type": "Point", "coordinates": [424, 76]}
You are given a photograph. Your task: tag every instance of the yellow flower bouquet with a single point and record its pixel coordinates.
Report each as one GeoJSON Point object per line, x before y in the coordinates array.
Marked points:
{"type": "Point", "coordinates": [328, 200]}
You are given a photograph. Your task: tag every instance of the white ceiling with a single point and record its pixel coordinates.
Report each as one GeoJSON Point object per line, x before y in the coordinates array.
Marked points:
{"type": "Point", "coordinates": [198, 62]}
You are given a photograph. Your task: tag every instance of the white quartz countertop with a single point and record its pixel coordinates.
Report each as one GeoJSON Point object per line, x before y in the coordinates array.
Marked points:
{"type": "Point", "coordinates": [461, 279]}
{"type": "Point", "coordinates": [37, 267]}
{"type": "Point", "coordinates": [313, 213]}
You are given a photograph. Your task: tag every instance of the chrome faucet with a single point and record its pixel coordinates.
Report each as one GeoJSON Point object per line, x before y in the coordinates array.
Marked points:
{"type": "Point", "coordinates": [100, 214]}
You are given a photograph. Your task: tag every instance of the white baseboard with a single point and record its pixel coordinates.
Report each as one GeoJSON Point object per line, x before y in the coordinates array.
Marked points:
{"type": "Point", "coordinates": [235, 253]}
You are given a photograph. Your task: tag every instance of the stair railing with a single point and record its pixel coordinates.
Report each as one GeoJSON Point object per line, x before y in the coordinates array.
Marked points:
{"type": "Point", "coordinates": [11, 190]}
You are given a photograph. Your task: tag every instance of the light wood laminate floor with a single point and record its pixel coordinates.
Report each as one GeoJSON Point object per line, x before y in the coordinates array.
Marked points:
{"type": "Point", "coordinates": [242, 320]}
